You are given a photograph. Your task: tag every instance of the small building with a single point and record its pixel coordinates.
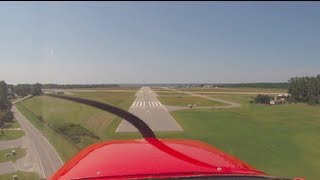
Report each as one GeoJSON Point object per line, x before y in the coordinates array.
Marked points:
{"type": "Point", "coordinates": [11, 94]}
{"type": "Point", "coordinates": [58, 92]}
{"type": "Point", "coordinates": [207, 86]}
{"type": "Point", "coordinates": [280, 98]}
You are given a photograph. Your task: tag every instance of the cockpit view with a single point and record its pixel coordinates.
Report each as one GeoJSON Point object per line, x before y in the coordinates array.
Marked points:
{"type": "Point", "coordinates": [159, 90]}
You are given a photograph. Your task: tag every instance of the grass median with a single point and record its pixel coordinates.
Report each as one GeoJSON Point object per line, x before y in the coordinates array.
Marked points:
{"type": "Point", "coordinates": [6, 154]}
{"type": "Point", "coordinates": [11, 134]}
{"type": "Point", "coordinates": [21, 175]}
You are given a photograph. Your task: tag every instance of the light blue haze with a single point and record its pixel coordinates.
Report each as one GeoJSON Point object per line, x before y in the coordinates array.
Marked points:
{"type": "Point", "coordinates": [158, 42]}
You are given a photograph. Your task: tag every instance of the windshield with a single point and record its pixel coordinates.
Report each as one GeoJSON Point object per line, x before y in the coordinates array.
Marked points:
{"type": "Point", "coordinates": [138, 89]}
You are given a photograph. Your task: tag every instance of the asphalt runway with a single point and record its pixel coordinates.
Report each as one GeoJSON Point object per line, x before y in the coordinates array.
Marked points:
{"type": "Point", "coordinates": [148, 108]}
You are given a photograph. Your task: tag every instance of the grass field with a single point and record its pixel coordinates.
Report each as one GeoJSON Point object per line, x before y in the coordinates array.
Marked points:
{"type": "Point", "coordinates": [170, 93]}
{"type": "Point", "coordinates": [20, 153]}
{"type": "Point", "coordinates": [238, 89]}
{"type": "Point", "coordinates": [119, 99]}
{"type": "Point", "coordinates": [242, 99]}
{"type": "Point", "coordinates": [184, 100]}
{"type": "Point", "coordinates": [54, 112]}
{"type": "Point", "coordinates": [21, 175]}
{"type": "Point", "coordinates": [11, 134]}
{"type": "Point", "coordinates": [281, 140]}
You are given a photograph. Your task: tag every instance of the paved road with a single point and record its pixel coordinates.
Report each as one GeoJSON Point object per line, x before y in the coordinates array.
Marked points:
{"type": "Point", "coordinates": [147, 107]}
{"type": "Point", "coordinates": [47, 157]}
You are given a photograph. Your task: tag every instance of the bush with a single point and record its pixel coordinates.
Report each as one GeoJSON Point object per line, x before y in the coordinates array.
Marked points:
{"type": "Point", "coordinates": [6, 115]}
{"type": "Point", "coordinates": [314, 100]}
{"type": "Point", "coordinates": [262, 99]}
{"type": "Point", "coordinates": [75, 132]}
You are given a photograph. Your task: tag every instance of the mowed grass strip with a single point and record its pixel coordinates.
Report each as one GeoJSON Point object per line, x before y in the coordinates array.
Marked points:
{"type": "Point", "coordinates": [185, 100]}
{"type": "Point", "coordinates": [20, 153]}
{"type": "Point", "coordinates": [21, 175]}
{"type": "Point", "coordinates": [281, 140]}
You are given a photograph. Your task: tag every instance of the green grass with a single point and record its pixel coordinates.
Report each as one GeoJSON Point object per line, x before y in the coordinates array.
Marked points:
{"type": "Point", "coordinates": [185, 100]}
{"type": "Point", "coordinates": [280, 140]}
{"type": "Point", "coordinates": [54, 112]}
{"type": "Point", "coordinates": [242, 99]}
{"type": "Point", "coordinates": [238, 89]}
{"type": "Point", "coordinates": [170, 93]}
{"type": "Point", "coordinates": [21, 175]}
{"type": "Point", "coordinates": [20, 153]}
{"type": "Point", "coordinates": [12, 124]}
{"type": "Point", "coordinates": [11, 134]}
{"type": "Point", "coordinates": [64, 147]}
{"type": "Point", "coordinates": [119, 99]}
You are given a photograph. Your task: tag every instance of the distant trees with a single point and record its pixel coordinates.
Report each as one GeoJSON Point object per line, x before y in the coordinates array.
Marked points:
{"type": "Point", "coordinates": [22, 89]}
{"type": "Point", "coordinates": [36, 89]}
{"type": "Point", "coordinates": [25, 89]}
{"type": "Point", "coordinates": [255, 85]}
{"type": "Point", "coordinates": [305, 89]}
{"type": "Point", "coordinates": [5, 104]}
{"type": "Point", "coordinates": [71, 86]}
{"type": "Point", "coordinates": [262, 99]}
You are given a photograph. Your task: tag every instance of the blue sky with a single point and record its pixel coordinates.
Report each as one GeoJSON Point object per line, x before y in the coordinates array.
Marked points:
{"type": "Point", "coordinates": [160, 42]}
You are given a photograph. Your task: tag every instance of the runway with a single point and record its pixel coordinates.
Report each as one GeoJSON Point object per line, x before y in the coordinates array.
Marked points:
{"type": "Point", "coordinates": [147, 107]}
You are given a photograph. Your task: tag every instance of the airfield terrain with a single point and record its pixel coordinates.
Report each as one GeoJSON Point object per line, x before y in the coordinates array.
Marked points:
{"type": "Point", "coordinates": [282, 140]}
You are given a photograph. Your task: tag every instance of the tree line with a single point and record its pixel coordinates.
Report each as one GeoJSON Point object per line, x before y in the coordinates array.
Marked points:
{"type": "Point", "coordinates": [5, 105]}
{"type": "Point", "coordinates": [305, 89]}
{"type": "Point", "coordinates": [27, 89]}
{"type": "Point", "coordinates": [76, 86]}
{"type": "Point", "coordinates": [283, 85]}
{"type": "Point", "coordinates": [8, 92]}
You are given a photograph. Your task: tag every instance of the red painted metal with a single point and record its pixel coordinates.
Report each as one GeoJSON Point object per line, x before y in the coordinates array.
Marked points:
{"type": "Point", "coordinates": [152, 158]}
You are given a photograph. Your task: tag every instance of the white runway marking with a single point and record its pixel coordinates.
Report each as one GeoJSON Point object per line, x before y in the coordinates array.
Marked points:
{"type": "Point", "coordinates": [148, 108]}
{"type": "Point", "coordinates": [156, 103]}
